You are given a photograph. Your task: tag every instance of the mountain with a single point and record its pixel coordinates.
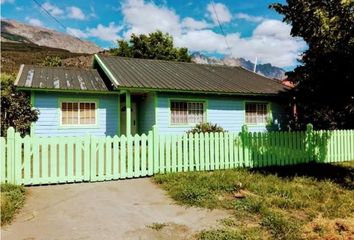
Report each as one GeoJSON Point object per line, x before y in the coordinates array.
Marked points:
{"type": "Point", "coordinates": [13, 54]}
{"type": "Point", "coordinates": [266, 69]}
{"type": "Point", "coordinates": [16, 32]}
{"type": "Point", "coordinates": [22, 43]}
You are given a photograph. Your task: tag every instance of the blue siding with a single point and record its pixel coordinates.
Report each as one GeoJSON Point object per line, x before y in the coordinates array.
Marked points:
{"type": "Point", "coordinates": [48, 123]}
{"type": "Point", "coordinates": [226, 111]}
{"type": "Point", "coordinates": [146, 113]}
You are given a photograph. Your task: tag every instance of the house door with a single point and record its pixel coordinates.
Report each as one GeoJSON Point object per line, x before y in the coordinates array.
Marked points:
{"type": "Point", "coordinates": [123, 119]}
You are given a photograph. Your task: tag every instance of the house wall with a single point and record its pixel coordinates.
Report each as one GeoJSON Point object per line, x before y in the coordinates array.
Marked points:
{"type": "Point", "coordinates": [226, 111]}
{"type": "Point", "coordinates": [48, 123]}
{"type": "Point", "coordinates": [146, 113]}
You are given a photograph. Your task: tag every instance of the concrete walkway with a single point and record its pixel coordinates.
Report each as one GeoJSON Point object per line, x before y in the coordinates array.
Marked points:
{"type": "Point", "coordinates": [107, 210]}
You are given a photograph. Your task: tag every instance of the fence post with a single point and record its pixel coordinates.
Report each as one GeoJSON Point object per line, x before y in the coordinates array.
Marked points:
{"type": "Point", "coordinates": [17, 158]}
{"type": "Point", "coordinates": [309, 142]}
{"type": "Point", "coordinates": [155, 142]}
{"type": "Point", "coordinates": [87, 158]}
{"type": "Point", "coordinates": [10, 142]}
{"type": "Point", "coordinates": [244, 140]}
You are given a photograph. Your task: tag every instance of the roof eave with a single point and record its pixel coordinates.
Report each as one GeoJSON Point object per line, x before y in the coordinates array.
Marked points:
{"type": "Point", "coordinates": [65, 90]}
{"type": "Point", "coordinates": [135, 89]}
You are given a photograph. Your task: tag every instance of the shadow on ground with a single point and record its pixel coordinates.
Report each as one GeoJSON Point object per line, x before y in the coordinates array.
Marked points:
{"type": "Point", "coordinates": [342, 174]}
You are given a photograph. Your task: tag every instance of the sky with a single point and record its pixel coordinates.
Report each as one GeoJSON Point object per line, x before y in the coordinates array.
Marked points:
{"type": "Point", "coordinates": [252, 30]}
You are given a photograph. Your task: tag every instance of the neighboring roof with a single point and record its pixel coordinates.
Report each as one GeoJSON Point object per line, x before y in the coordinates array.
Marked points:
{"type": "Point", "coordinates": [288, 82]}
{"type": "Point", "coordinates": [178, 76]}
{"type": "Point", "coordinates": [59, 78]}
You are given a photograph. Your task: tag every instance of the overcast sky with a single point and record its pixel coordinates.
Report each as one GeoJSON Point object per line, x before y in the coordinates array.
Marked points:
{"type": "Point", "coordinates": [252, 29]}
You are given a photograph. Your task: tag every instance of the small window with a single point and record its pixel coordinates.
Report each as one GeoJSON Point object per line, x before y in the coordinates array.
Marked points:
{"type": "Point", "coordinates": [256, 113]}
{"type": "Point", "coordinates": [187, 112]}
{"type": "Point", "coordinates": [78, 113]}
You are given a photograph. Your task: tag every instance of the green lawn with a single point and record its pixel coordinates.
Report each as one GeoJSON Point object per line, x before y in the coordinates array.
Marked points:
{"type": "Point", "coordinates": [313, 201]}
{"type": "Point", "coordinates": [11, 199]}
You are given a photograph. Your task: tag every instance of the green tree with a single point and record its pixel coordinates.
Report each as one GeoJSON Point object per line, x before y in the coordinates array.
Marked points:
{"type": "Point", "coordinates": [324, 91]}
{"type": "Point", "coordinates": [50, 61]}
{"type": "Point", "coordinates": [156, 45]}
{"type": "Point", "coordinates": [16, 109]}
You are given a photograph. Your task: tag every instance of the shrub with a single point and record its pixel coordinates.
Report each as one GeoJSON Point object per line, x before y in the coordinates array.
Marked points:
{"type": "Point", "coordinates": [16, 109]}
{"type": "Point", "coordinates": [50, 61]}
{"type": "Point", "coordinates": [206, 127]}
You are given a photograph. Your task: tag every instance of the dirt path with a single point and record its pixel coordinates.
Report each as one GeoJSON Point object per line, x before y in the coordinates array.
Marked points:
{"type": "Point", "coordinates": [107, 210]}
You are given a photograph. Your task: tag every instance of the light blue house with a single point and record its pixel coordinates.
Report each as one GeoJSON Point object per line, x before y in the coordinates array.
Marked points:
{"type": "Point", "coordinates": [174, 96]}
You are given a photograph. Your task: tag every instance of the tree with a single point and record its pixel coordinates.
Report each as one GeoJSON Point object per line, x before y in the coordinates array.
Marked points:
{"type": "Point", "coordinates": [50, 61]}
{"type": "Point", "coordinates": [324, 92]}
{"type": "Point", "coordinates": [16, 109]}
{"type": "Point", "coordinates": [156, 45]}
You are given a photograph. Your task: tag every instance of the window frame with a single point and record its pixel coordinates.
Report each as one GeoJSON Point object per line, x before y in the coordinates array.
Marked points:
{"type": "Point", "coordinates": [268, 113]}
{"type": "Point", "coordinates": [202, 101]}
{"type": "Point", "coordinates": [78, 101]}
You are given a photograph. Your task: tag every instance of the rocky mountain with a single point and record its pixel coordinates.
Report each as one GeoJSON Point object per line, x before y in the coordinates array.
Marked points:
{"type": "Point", "coordinates": [16, 32]}
{"type": "Point", "coordinates": [267, 69]}
{"type": "Point", "coordinates": [22, 43]}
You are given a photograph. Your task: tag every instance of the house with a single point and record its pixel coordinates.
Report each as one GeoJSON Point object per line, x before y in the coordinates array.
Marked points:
{"type": "Point", "coordinates": [174, 96]}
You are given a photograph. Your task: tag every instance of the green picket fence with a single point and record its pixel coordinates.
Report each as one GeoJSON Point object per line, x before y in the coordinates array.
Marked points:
{"type": "Point", "coordinates": [46, 160]}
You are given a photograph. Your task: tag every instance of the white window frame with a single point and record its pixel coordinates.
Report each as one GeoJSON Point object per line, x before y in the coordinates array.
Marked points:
{"type": "Point", "coordinates": [188, 104]}
{"type": "Point", "coordinates": [78, 102]}
{"type": "Point", "coordinates": [258, 116]}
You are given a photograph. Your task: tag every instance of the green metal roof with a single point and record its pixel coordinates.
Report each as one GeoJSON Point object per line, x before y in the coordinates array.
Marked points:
{"type": "Point", "coordinates": [60, 78]}
{"type": "Point", "coordinates": [179, 76]}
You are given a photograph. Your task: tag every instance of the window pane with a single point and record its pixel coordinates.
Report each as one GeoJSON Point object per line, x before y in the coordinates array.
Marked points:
{"type": "Point", "coordinates": [87, 113]}
{"type": "Point", "coordinates": [74, 113]}
{"type": "Point", "coordinates": [70, 113]}
{"type": "Point", "coordinates": [179, 112]}
{"type": "Point", "coordinates": [92, 113]}
{"type": "Point", "coordinates": [82, 114]}
{"type": "Point", "coordinates": [256, 113]}
{"type": "Point", "coordinates": [195, 112]}
{"type": "Point", "coordinates": [187, 112]}
{"type": "Point", "coordinates": [64, 113]}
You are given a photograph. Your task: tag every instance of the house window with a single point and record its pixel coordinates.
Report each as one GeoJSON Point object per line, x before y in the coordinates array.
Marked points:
{"type": "Point", "coordinates": [187, 112]}
{"type": "Point", "coordinates": [78, 113]}
{"type": "Point", "coordinates": [256, 113]}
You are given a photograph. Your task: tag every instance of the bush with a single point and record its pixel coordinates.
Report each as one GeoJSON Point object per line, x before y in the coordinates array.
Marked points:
{"type": "Point", "coordinates": [206, 127]}
{"type": "Point", "coordinates": [16, 109]}
{"type": "Point", "coordinates": [50, 61]}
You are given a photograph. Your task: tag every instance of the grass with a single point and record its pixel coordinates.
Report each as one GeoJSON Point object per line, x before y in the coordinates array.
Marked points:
{"type": "Point", "coordinates": [11, 199]}
{"type": "Point", "coordinates": [157, 226]}
{"type": "Point", "coordinates": [311, 201]}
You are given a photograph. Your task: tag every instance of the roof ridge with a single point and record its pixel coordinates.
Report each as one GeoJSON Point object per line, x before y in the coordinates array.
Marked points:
{"type": "Point", "coordinates": [60, 67]}
{"type": "Point", "coordinates": [162, 60]}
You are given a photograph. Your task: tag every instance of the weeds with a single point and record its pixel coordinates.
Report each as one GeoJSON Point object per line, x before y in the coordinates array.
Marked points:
{"type": "Point", "coordinates": [231, 234]}
{"type": "Point", "coordinates": [157, 226]}
{"type": "Point", "coordinates": [12, 199]}
{"type": "Point", "coordinates": [275, 202]}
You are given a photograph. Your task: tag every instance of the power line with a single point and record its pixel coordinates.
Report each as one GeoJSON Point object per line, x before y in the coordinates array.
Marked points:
{"type": "Point", "coordinates": [49, 14]}
{"type": "Point", "coordinates": [53, 17]}
{"type": "Point", "coordinates": [221, 29]}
